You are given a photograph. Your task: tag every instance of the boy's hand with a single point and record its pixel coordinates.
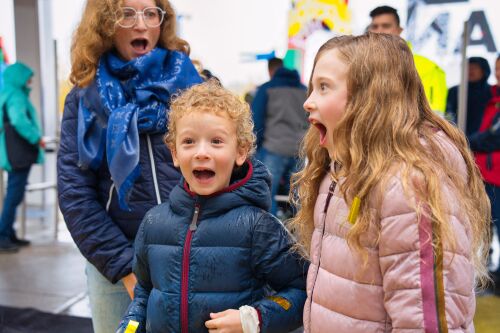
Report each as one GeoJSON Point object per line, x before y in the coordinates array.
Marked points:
{"type": "Point", "coordinates": [129, 282]}
{"type": "Point", "coordinates": [225, 322]}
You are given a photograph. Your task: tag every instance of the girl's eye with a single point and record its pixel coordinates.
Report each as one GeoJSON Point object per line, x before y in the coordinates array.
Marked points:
{"type": "Point", "coordinates": [322, 86]}
{"type": "Point", "coordinates": [187, 141]}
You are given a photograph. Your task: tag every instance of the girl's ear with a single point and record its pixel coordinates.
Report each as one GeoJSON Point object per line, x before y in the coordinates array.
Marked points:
{"type": "Point", "coordinates": [241, 156]}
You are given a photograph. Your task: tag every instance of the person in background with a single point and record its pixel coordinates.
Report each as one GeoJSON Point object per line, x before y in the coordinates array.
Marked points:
{"type": "Point", "coordinates": [485, 143]}
{"type": "Point", "coordinates": [21, 145]}
{"type": "Point", "coordinates": [127, 62]}
{"type": "Point", "coordinates": [280, 124]}
{"type": "Point", "coordinates": [385, 19]}
{"type": "Point", "coordinates": [392, 207]}
{"type": "Point", "coordinates": [204, 259]}
{"type": "Point", "coordinates": [478, 95]}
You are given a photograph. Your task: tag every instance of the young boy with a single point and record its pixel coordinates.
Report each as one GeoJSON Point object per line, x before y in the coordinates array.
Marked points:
{"type": "Point", "coordinates": [205, 259]}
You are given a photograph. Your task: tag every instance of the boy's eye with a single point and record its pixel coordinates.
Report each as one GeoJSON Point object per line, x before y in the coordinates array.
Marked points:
{"type": "Point", "coordinates": [187, 141]}
{"type": "Point", "coordinates": [217, 141]}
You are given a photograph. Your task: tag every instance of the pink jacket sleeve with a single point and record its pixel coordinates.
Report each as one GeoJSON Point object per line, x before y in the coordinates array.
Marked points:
{"type": "Point", "coordinates": [426, 288]}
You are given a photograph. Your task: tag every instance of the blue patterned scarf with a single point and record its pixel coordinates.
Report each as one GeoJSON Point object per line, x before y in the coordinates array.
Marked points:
{"type": "Point", "coordinates": [135, 96]}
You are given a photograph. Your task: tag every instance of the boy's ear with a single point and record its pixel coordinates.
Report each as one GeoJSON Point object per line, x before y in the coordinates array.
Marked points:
{"type": "Point", "coordinates": [241, 157]}
{"type": "Point", "coordinates": [174, 158]}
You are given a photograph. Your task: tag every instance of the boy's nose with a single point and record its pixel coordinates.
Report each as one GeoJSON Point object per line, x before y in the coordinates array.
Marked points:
{"type": "Point", "coordinates": [201, 151]}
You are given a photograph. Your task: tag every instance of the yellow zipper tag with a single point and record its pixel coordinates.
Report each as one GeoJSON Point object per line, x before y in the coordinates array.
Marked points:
{"type": "Point", "coordinates": [132, 326]}
{"type": "Point", "coordinates": [353, 213]}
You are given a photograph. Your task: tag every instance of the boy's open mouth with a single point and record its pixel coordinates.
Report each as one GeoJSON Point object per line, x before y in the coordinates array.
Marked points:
{"type": "Point", "coordinates": [139, 44]}
{"type": "Point", "coordinates": [203, 174]}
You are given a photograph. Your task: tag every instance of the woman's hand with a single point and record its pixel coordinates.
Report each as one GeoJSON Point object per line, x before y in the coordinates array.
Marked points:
{"type": "Point", "coordinates": [225, 322]}
{"type": "Point", "coordinates": [129, 282]}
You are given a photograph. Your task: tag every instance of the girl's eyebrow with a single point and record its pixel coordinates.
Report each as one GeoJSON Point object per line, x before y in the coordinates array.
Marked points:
{"type": "Point", "coordinates": [322, 78]}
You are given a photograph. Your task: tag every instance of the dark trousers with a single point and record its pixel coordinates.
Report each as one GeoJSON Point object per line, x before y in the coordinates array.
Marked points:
{"type": "Point", "coordinates": [494, 195]}
{"type": "Point", "coordinates": [281, 168]}
{"type": "Point", "coordinates": [16, 186]}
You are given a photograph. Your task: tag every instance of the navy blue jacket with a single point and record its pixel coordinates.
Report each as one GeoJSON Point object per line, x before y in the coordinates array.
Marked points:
{"type": "Point", "coordinates": [278, 114]}
{"type": "Point", "coordinates": [103, 232]}
{"type": "Point", "coordinates": [199, 254]}
{"type": "Point", "coordinates": [478, 96]}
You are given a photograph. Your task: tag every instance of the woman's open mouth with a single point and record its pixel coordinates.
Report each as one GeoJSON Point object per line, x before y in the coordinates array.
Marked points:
{"type": "Point", "coordinates": [139, 45]}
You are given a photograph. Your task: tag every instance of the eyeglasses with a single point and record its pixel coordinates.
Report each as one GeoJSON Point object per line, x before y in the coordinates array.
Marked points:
{"type": "Point", "coordinates": [152, 16]}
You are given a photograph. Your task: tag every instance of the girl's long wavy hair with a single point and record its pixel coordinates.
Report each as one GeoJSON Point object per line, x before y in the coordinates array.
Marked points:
{"type": "Point", "coordinates": [94, 37]}
{"type": "Point", "coordinates": [388, 122]}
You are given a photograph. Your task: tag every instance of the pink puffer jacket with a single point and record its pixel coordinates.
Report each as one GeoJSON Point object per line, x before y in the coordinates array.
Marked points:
{"type": "Point", "coordinates": [400, 289]}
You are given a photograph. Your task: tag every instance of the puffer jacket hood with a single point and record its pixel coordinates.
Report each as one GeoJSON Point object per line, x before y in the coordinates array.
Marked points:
{"type": "Point", "coordinates": [250, 185]}
{"type": "Point", "coordinates": [17, 75]}
{"type": "Point", "coordinates": [483, 63]}
{"type": "Point", "coordinates": [287, 77]}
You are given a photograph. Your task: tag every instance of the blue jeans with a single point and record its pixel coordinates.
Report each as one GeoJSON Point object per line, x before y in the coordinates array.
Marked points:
{"type": "Point", "coordinates": [16, 185]}
{"type": "Point", "coordinates": [108, 302]}
{"type": "Point", "coordinates": [281, 168]}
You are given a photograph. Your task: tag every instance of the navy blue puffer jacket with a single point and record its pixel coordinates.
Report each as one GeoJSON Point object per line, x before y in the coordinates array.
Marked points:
{"type": "Point", "coordinates": [103, 232]}
{"type": "Point", "coordinates": [199, 254]}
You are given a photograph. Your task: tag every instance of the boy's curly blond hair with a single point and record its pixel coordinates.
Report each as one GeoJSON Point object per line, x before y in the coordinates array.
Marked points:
{"type": "Point", "coordinates": [211, 97]}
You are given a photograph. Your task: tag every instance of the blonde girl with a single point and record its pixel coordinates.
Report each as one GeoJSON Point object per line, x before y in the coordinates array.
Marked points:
{"type": "Point", "coordinates": [392, 208]}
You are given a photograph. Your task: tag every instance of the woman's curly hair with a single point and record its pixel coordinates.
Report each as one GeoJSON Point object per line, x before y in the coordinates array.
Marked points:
{"type": "Point", "coordinates": [94, 36]}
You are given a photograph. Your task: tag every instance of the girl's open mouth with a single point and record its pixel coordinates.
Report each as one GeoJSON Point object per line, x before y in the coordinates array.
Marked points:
{"type": "Point", "coordinates": [322, 133]}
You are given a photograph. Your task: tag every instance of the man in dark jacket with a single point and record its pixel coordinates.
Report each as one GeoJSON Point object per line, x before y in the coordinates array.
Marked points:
{"type": "Point", "coordinates": [485, 143]}
{"type": "Point", "coordinates": [478, 95]}
{"type": "Point", "coordinates": [280, 123]}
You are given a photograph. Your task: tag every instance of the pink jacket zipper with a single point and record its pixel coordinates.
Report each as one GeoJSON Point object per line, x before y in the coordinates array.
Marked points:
{"type": "Point", "coordinates": [185, 270]}
{"type": "Point", "coordinates": [331, 191]}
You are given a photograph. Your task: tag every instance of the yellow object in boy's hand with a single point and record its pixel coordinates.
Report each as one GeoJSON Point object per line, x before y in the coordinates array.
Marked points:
{"type": "Point", "coordinates": [132, 326]}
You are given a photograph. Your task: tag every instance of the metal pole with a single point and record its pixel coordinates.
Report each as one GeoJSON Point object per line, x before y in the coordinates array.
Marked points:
{"type": "Point", "coordinates": [464, 79]}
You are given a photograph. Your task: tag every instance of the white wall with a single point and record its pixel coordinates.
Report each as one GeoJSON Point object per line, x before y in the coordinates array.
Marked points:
{"type": "Point", "coordinates": [221, 31]}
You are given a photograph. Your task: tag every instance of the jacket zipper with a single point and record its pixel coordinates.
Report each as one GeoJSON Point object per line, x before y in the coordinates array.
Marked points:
{"type": "Point", "coordinates": [110, 196]}
{"type": "Point", "coordinates": [331, 190]}
{"type": "Point", "coordinates": [153, 170]}
{"type": "Point", "coordinates": [185, 269]}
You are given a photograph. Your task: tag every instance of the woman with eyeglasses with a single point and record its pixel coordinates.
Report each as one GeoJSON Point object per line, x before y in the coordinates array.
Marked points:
{"type": "Point", "coordinates": [112, 165]}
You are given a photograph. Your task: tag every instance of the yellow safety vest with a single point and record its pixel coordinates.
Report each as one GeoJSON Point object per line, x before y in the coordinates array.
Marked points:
{"type": "Point", "coordinates": [434, 82]}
